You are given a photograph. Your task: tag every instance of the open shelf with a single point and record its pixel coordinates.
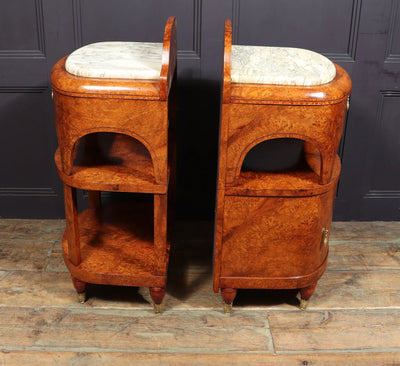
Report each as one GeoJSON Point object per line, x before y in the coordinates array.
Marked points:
{"type": "Point", "coordinates": [111, 162]}
{"type": "Point", "coordinates": [302, 182]}
{"type": "Point", "coordinates": [117, 246]}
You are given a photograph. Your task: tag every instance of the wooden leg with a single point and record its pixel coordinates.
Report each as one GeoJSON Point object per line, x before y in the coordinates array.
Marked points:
{"type": "Point", "coordinates": [157, 294]}
{"type": "Point", "coordinates": [160, 233]}
{"type": "Point", "coordinates": [305, 294]}
{"type": "Point", "coordinates": [71, 217]}
{"type": "Point", "coordinates": [228, 294]}
{"type": "Point", "coordinates": [94, 199]}
{"type": "Point", "coordinates": [80, 288]}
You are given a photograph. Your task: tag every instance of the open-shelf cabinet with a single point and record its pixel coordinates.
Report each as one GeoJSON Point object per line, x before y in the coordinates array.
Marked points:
{"type": "Point", "coordinates": [116, 134]}
{"type": "Point", "coordinates": [116, 243]}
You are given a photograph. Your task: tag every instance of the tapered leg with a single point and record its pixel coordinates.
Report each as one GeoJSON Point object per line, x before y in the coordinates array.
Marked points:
{"type": "Point", "coordinates": [306, 293]}
{"type": "Point", "coordinates": [157, 294]}
{"type": "Point", "coordinates": [228, 294]}
{"type": "Point", "coordinates": [80, 288]}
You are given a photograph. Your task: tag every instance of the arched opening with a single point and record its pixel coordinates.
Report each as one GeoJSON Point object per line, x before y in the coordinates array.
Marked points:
{"type": "Point", "coordinates": [110, 153]}
{"type": "Point", "coordinates": [281, 156]}
{"type": "Point", "coordinates": [276, 156]}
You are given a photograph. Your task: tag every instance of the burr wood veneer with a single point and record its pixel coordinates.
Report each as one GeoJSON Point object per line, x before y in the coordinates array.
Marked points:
{"type": "Point", "coordinates": [117, 135]}
{"type": "Point", "coordinates": [272, 228]}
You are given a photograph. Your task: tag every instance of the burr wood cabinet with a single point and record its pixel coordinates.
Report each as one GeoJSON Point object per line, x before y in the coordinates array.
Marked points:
{"type": "Point", "coordinates": [272, 228]}
{"type": "Point", "coordinates": [116, 134]}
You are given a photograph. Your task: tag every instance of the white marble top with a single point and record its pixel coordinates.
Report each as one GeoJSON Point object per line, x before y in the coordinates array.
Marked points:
{"type": "Point", "coordinates": [126, 60]}
{"type": "Point", "coordinates": [280, 66]}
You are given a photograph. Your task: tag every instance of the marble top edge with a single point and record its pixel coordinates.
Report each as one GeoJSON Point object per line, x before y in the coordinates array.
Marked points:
{"type": "Point", "coordinates": [280, 66]}
{"type": "Point", "coordinates": [115, 59]}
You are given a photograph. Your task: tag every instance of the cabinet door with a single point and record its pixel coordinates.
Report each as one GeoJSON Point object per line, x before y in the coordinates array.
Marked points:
{"type": "Point", "coordinates": [274, 237]}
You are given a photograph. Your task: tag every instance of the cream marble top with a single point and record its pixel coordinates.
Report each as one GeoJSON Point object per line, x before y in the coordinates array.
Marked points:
{"type": "Point", "coordinates": [126, 60]}
{"type": "Point", "coordinates": [280, 66]}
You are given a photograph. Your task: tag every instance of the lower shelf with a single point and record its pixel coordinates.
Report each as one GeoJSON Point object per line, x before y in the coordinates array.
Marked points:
{"type": "Point", "coordinates": [117, 246]}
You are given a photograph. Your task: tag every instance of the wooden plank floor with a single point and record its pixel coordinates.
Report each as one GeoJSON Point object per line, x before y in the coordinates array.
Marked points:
{"type": "Point", "coordinates": [353, 318]}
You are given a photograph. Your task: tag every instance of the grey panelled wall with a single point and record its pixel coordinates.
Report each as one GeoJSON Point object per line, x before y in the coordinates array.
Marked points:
{"type": "Point", "coordinates": [363, 36]}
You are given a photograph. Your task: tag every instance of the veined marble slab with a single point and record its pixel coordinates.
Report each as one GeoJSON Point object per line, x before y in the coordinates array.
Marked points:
{"type": "Point", "coordinates": [280, 65]}
{"type": "Point", "coordinates": [125, 60]}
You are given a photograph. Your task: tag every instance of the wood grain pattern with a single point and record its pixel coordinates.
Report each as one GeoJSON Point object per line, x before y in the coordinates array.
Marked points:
{"type": "Point", "coordinates": [72, 230]}
{"type": "Point", "coordinates": [118, 135]}
{"type": "Point", "coordinates": [49, 358]}
{"type": "Point", "coordinates": [272, 228]}
{"type": "Point", "coordinates": [375, 256]}
{"type": "Point", "coordinates": [341, 330]}
{"type": "Point", "coordinates": [77, 117]}
{"type": "Point", "coordinates": [259, 227]}
{"type": "Point", "coordinates": [128, 329]}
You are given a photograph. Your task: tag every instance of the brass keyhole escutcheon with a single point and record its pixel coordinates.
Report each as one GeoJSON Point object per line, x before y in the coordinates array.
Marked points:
{"type": "Point", "coordinates": [325, 237]}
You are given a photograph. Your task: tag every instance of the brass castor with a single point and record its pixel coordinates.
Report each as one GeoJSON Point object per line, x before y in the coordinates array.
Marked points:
{"type": "Point", "coordinates": [157, 295]}
{"type": "Point", "coordinates": [158, 308]}
{"type": "Point", "coordinates": [82, 297]}
{"type": "Point", "coordinates": [303, 304]}
{"type": "Point", "coordinates": [228, 295]}
{"type": "Point", "coordinates": [227, 308]}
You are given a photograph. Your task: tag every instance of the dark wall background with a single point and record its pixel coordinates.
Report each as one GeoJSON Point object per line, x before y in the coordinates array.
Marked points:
{"type": "Point", "coordinates": [363, 36]}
